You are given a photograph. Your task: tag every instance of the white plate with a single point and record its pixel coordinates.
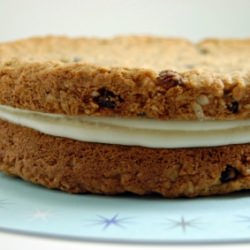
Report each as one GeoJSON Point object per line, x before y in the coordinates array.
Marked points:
{"type": "Point", "coordinates": [31, 209]}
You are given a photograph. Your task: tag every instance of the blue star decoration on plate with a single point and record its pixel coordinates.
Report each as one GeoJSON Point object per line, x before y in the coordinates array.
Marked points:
{"type": "Point", "coordinates": [41, 215]}
{"type": "Point", "coordinates": [183, 223]}
{"type": "Point", "coordinates": [113, 221]}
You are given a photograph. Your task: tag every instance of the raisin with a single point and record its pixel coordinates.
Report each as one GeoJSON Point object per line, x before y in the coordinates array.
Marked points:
{"type": "Point", "coordinates": [229, 174]}
{"type": "Point", "coordinates": [244, 159]}
{"type": "Point", "coordinates": [169, 78]}
{"type": "Point", "coordinates": [233, 107]}
{"type": "Point", "coordinates": [107, 99]}
{"type": "Point", "coordinates": [141, 114]}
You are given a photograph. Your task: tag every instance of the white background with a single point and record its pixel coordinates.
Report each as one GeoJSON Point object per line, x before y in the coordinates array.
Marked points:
{"type": "Point", "coordinates": [192, 19]}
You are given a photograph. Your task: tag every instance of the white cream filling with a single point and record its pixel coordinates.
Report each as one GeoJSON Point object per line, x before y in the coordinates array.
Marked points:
{"type": "Point", "coordinates": [124, 131]}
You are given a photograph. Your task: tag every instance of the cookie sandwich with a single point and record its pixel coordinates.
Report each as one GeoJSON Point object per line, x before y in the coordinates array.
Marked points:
{"type": "Point", "coordinates": [129, 114]}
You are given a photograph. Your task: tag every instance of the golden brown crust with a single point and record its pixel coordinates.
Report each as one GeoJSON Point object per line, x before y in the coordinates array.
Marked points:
{"type": "Point", "coordinates": [123, 77]}
{"type": "Point", "coordinates": [79, 167]}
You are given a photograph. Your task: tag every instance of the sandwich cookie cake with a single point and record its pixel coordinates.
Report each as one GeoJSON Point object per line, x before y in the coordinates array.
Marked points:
{"type": "Point", "coordinates": [128, 114]}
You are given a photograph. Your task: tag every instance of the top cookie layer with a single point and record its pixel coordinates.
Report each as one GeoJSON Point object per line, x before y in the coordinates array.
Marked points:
{"type": "Point", "coordinates": [128, 76]}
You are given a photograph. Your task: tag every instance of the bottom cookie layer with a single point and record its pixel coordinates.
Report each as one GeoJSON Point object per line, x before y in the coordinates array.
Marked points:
{"type": "Point", "coordinates": [80, 167]}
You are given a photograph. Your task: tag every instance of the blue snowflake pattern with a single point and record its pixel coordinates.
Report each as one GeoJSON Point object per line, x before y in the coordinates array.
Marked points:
{"type": "Point", "coordinates": [183, 223]}
{"type": "Point", "coordinates": [107, 222]}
